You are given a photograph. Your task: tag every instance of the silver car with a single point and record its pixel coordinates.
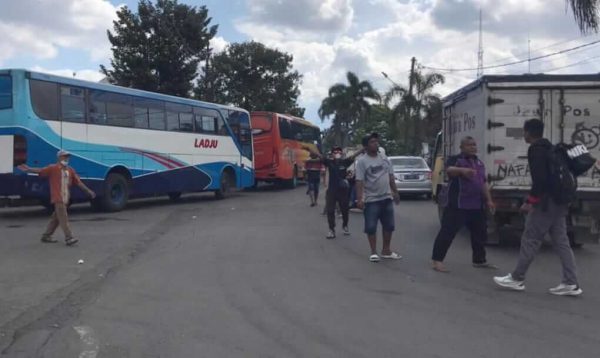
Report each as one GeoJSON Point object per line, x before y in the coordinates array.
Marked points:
{"type": "Point", "coordinates": [413, 175]}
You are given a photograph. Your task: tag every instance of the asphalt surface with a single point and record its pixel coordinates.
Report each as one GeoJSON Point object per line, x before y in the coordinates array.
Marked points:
{"type": "Point", "coordinates": [253, 276]}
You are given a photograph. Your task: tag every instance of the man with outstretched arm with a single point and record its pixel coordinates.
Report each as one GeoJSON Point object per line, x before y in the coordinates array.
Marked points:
{"type": "Point", "coordinates": [338, 188]}
{"type": "Point", "coordinates": [376, 193]}
{"type": "Point", "coordinates": [61, 177]}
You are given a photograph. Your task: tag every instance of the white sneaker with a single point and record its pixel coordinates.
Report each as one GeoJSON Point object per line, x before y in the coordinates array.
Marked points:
{"type": "Point", "coordinates": [346, 231]}
{"type": "Point", "coordinates": [508, 282]}
{"type": "Point", "coordinates": [330, 234]}
{"type": "Point", "coordinates": [566, 290]}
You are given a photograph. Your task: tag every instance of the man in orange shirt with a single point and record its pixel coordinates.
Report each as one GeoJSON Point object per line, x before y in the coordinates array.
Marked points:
{"type": "Point", "coordinates": [61, 177]}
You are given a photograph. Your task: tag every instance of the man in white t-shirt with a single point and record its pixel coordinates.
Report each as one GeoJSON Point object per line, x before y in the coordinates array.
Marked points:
{"type": "Point", "coordinates": [376, 194]}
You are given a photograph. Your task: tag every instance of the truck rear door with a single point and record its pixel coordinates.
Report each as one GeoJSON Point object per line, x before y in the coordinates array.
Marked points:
{"type": "Point", "coordinates": [581, 118]}
{"type": "Point", "coordinates": [507, 150]}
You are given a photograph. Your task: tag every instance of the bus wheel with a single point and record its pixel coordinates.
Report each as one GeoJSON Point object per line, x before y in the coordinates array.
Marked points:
{"type": "Point", "coordinates": [116, 192]}
{"type": "Point", "coordinates": [175, 195]}
{"type": "Point", "coordinates": [227, 184]}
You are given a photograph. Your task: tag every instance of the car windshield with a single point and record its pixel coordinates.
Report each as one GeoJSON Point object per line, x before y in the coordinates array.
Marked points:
{"type": "Point", "coordinates": [408, 163]}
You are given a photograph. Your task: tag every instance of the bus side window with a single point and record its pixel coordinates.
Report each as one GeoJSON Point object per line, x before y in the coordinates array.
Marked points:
{"type": "Point", "coordinates": [72, 104]}
{"type": "Point", "coordinates": [97, 109]}
{"type": "Point", "coordinates": [119, 110]}
{"type": "Point", "coordinates": [172, 121]}
{"type": "Point", "coordinates": [179, 117]}
{"type": "Point", "coordinates": [186, 122]}
{"type": "Point", "coordinates": [5, 92]}
{"type": "Point", "coordinates": [209, 124]}
{"type": "Point", "coordinates": [206, 120]}
{"type": "Point", "coordinates": [44, 99]}
{"type": "Point", "coordinates": [221, 127]}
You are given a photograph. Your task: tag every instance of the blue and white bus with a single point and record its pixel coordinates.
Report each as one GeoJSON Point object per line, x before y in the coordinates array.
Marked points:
{"type": "Point", "coordinates": [125, 143]}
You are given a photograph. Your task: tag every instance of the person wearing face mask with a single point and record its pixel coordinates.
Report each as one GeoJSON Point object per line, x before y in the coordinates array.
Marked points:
{"type": "Point", "coordinates": [61, 177]}
{"type": "Point", "coordinates": [338, 188]}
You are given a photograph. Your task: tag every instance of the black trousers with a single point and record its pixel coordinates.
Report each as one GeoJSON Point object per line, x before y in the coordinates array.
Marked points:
{"type": "Point", "coordinates": [452, 221]}
{"type": "Point", "coordinates": [333, 197]}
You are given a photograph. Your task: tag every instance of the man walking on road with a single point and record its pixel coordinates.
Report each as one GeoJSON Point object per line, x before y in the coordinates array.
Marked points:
{"type": "Point", "coordinates": [376, 192]}
{"type": "Point", "coordinates": [544, 215]}
{"type": "Point", "coordinates": [61, 177]}
{"type": "Point", "coordinates": [314, 172]}
{"type": "Point", "coordinates": [338, 187]}
{"type": "Point", "coordinates": [466, 199]}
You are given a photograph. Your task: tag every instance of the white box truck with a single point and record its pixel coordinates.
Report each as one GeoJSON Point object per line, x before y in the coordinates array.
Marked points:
{"type": "Point", "coordinates": [493, 110]}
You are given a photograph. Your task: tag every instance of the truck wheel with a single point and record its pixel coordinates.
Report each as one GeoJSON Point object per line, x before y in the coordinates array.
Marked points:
{"type": "Point", "coordinates": [115, 192]}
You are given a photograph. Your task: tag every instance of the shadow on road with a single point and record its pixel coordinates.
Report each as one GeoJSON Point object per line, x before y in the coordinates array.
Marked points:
{"type": "Point", "coordinates": [31, 212]}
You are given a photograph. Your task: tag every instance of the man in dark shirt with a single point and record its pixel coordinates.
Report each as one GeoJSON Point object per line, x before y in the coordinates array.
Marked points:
{"type": "Point", "coordinates": [544, 216]}
{"type": "Point", "coordinates": [338, 187]}
{"type": "Point", "coordinates": [466, 198]}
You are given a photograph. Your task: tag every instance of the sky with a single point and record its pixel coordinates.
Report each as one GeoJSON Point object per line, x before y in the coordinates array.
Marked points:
{"type": "Point", "coordinates": [327, 38]}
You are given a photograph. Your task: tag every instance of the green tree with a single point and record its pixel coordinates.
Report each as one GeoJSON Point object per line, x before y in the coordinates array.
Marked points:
{"type": "Point", "coordinates": [586, 14]}
{"type": "Point", "coordinates": [254, 77]}
{"type": "Point", "coordinates": [410, 110]}
{"type": "Point", "coordinates": [378, 121]}
{"type": "Point", "coordinates": [347, 105]}
{"type": "Point", "coordinates": [160, 47]}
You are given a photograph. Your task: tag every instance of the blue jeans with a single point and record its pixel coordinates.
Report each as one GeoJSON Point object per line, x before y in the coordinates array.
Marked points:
{"type": "Point", "coordinates": [377, 211]}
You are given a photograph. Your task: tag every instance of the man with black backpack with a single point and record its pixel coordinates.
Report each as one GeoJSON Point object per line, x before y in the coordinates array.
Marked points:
{"type": "Point", "coordinates": [553, 189]}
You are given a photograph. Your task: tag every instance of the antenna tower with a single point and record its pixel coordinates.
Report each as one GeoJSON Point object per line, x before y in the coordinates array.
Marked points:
{"type": "Point", "coordinates": [480, 51]}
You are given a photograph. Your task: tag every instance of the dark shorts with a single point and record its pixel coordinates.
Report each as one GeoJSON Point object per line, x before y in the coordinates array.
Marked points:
{"type": "Point", "coordinates": [379, 211]}
{"type": "Point", "coordinates": [313, 185]}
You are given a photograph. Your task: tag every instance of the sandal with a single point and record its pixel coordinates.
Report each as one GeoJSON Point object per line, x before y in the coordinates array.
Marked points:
{"type": "Point", "coordinates": [391, 256]}
{"type": "Point", "coordinates": [49, 240]}
{"type": "Point", "coordinates": [374, 258]}
{"type": "Point", "coordinates": [71, 242]}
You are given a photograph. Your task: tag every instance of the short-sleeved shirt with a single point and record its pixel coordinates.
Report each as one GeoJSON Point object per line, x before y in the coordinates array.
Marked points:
{"type": "Point", "coordinates": [60, 179]}
{"type": "Point", "coordinates": [314, 168]}
{"type": "Point", "coordinates": [466, 193]}
{"type": "Point", "coordinates": [375, 173]}
{"type": "Point", "coordinates": [338, 169]}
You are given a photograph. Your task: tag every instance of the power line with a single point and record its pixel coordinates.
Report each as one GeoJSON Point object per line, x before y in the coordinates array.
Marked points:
{"type": "Point", "coordinates": [570, 65]}
{"type": "Point", "coordinates": [534, 50]}
{"type": "Point", "coordinates": [514, 62]}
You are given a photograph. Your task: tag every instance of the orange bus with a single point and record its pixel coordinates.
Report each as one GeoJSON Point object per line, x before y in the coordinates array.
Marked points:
{"type": "Point", "coordinates": [278, 141]}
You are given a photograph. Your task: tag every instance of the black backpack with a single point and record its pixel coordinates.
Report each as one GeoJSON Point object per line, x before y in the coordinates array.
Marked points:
{"type": "Point", "coordinates": [578, 157]}
{"type": "Point", "coordinates": [563, 182]}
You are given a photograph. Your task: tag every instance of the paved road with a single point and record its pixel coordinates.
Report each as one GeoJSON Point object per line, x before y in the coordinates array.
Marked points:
{"type": "Point", "coordinates": [253, 276]}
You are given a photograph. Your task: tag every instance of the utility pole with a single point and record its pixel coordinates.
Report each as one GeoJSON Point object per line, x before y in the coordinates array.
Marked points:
{"type": "Point", "coordinates": [408, 119]}
{"type": "Point", "coordinates": [411, 80]}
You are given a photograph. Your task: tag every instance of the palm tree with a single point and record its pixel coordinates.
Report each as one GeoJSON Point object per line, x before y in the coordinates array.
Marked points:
{"type": "Point", "coordinates": [586, 14]}
{"type": "Point", "coordinates": [412, 107]}
{"type": "Point", "coordinates": [348, 105]}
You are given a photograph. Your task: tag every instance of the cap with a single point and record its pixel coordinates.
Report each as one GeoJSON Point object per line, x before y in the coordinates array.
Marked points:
{"type": "Point", "coordinates": [368, 137]}
{"type": "Point", "coordinates": [337, 148]}
{"type": "Point", "coordinates": [63, 153]}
